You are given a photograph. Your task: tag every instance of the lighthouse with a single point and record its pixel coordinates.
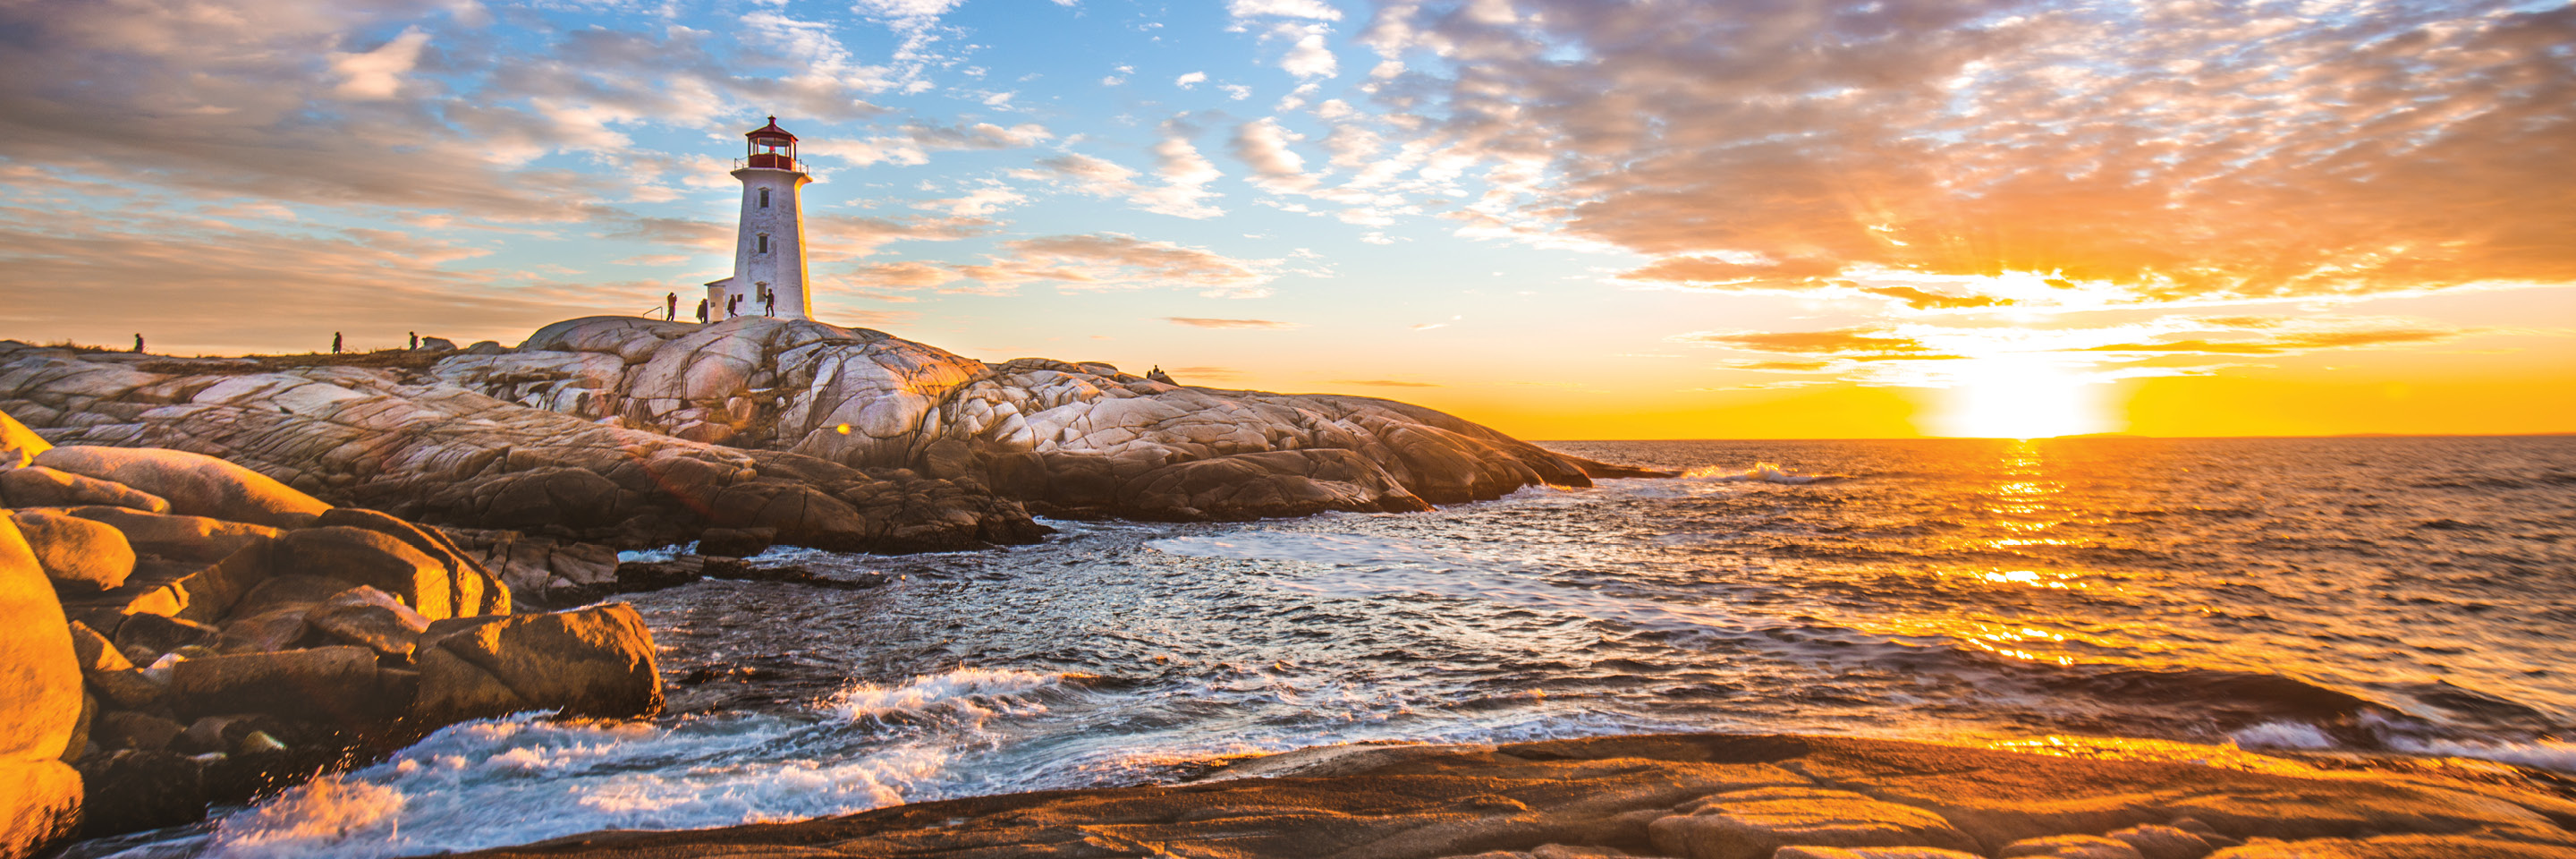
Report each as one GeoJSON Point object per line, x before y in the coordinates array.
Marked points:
{"type": "Point", "coordinates": [769, 246]}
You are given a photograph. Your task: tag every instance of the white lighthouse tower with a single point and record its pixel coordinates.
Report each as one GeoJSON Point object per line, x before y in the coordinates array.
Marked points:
{"type": "Point", "coordinates": [769, 248]}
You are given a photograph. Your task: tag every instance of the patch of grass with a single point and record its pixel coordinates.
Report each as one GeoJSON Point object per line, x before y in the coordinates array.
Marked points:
{"type": "Point", "coordinates": [392, 359]}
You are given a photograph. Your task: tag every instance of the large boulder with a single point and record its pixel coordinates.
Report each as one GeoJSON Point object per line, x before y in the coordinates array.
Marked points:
{"type": "Point", "coordinates": [18, 444]}
{"type": "Point", "coordinates": [79, 555]}
{"type": "Point", "coordinates": [596, 661]}
{"type": "Point", "coordinates": [386, 563]}
{"type": "Point", "coordinates": [38, 486]}
{"type": "Point", "coordinates": [42, 707]}
{"type": "Point", "coordinates": [195, 484]}
{"type": "Point", "coordinates": [331, 685]}
{"type": "Point", "coordinates": [181, 538]}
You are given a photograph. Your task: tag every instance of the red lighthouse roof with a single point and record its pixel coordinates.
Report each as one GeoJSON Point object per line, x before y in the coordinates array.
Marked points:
{"type": "Point", "coordinates": [770, 131]}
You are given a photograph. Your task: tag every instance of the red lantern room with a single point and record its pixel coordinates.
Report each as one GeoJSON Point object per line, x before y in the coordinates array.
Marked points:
{"type": "Point", "coordinates": [772, 147]}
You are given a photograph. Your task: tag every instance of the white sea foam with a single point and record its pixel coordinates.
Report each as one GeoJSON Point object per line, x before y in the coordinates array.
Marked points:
{"type": "Point", "coordinates": [521, 779]}
{"type": "Point", "coordinates": [2282, 735]}
{"type": "Point", "coordinates": [2539, 754]}
{"type": "Point", "coordinates": [1763, 472]}
{"type": "Point", "coordinates": [975, 694]}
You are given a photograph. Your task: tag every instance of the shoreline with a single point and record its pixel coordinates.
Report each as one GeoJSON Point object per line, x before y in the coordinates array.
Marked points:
{"type": "Point", "coordinates": [1700, 796]}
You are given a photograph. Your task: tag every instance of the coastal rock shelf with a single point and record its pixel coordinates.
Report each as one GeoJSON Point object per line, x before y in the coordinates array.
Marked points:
{"type": "Point", "coordinates": [1687, 796]}
{"type": "Point", "coordinates": [423, 449]}
{"type": "Point", "coordinates": [1067, 438]}
{"type": "Point", "coordinates": [177, 630]}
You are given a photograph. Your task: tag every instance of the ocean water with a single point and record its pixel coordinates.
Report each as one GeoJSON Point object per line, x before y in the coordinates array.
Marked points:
{"type": "Point", "coordinates": [2381, 595]}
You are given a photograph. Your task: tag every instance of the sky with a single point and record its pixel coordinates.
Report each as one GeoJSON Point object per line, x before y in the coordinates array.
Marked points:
{"type": "Point", "coordinates": [1562, 218]}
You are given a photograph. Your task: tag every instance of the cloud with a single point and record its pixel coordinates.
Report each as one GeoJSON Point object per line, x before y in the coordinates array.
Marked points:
{"type": "Point", "coordinates": [1190, 80]}
{"type": "Point", "coordinates": [2294, 155]}
{"type": "Point", "coordinates": [1309, 58]}
{"type": "Point", "coordinates": [1914, 354]}
{"type": "Point", "coordinates": [1263, 145]}
{"type": "Point", "coordinates": [1200, 322]}
{"type": "Point", "coordinates": [1315, 9]}
{"type": "Point", "coordinates": [1100, 261]}
{"type": "Point", "coordinates": [1384, 383]}
{"type": "Point", "coordinates": [1184, 172]}
{"type": "Point", "coordinates": [377, 74]}
{"type": "Point", "coordinates": [1221, 374]}
{"type": "Point", "coordinates": [1841, 342]}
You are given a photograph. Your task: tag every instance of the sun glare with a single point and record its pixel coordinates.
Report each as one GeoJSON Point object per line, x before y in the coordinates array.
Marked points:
{"type": "Point", "coordinates": [2018, 397]}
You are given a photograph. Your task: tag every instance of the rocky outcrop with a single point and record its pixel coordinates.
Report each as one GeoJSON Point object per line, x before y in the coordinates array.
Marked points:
{"type": "Point", "coordinates": [1068, 438]}
{"type": "Point", "coordinates": [43, 710]}
{"type": "Point", "coordinates": [187, 657]}
{"type": "Point", "coordinates": [1686, 795]}
{"type": "Point", "coordinates": [628, 431]}
{"type": "Point", "coordinates": [393, 439]}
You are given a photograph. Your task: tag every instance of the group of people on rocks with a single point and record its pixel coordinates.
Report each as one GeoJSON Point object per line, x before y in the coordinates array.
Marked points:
{"type": "Point", "coordinates": [732, 306]}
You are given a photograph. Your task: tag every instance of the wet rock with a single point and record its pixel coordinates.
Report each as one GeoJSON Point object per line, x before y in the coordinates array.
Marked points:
{"type": "Point", "coordinates": [1871, 853]}
{"type": "Point", "coordinates": [380, 561]}
{"type": "Point", "coordinates": [2070, 847]}
{"type": "Point", "coordinates": [195, 484]}
{"type": "Point", "coordinates": [161, 634]}
{"type": "Point", "coordinates": [273, 630]}
{"type": "Point", "coordinates": [331, 685]}
{"type": "Point", "coordinates": [77, 554]}
{"type": "Point", "coordinates": [38, 486]}
{"type": "Point", "coordinates": [108, 672]}
{"type": "Point", "coordinates": [290, 591]}
{"type": "Point", "coordinates": [454, 690]}
{"type": "Point", "coordinates": [126, 729]}
{"type": "Point", "coordinates": [1755, 823]}
{"type": "Point", "coordinates": [532, 566]}
{"type": "Point", "coordinates": [736, 542]}
{"type": "Point", "coordinates": [469, 575]}
{"type": "Point", "coordinates": [373, 619]}
{"type": "Point", "coordinates": [180, 538]}
{"type": "Point", "coordinates": [596, 661]}
{"type": "Point", "coordinates": [131, 790]}
{"type": "Point", "coordinates": [2163, 842]}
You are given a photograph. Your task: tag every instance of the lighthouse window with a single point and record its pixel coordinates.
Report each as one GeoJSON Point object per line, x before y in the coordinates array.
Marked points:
{"type": "Point", "coordinates": [764, 242]}
{"type": "Point", "coordinates": [764, 198]}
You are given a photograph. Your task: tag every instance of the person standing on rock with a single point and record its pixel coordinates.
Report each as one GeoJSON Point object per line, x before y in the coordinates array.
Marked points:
{"type": "Point", "coordinates": [335, 342]}
{"type": "Point", "coordinates": [733, 306]}
{"type": "Point", "coordinates": [769, 302]}
{"type": "Point", "coordinates": [415, 341]}
{"type": "Point", "coordinates": [702, 311]}
{"type": "Point", "coordinates": [670, 306]}
{"type": "Point", "coordinates": [138, 344]}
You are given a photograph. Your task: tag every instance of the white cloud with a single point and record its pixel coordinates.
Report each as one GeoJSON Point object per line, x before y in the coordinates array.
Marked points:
{"type": "Point", "coordinates": [1191, 80]}
{"type": "Point", "coordinates": [1316, 9]}
{"type": "Point", "coordinates": [378, 74]}
{"type": "Point", "coordinates": [1309, 58]}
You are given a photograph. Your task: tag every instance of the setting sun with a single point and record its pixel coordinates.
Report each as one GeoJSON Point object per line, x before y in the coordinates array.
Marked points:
{"type": "Point", "coordinates": [2018, 397]}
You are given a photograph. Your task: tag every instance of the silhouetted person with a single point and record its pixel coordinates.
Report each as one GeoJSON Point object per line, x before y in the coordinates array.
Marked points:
{"type": "Point", "coordinates": [670, 306]}
{"type": "Point", "coordinates": [771, 302]}
{"type": "Point", "coordinates": [702, 311]}
{"type": "Point", "coordinates": [1158, 375]}
{"type": "Point", "coordinates": [415, 341]}
{"type": "Point", "coordinates": [138, 344]}
{"type": "Point", "coordinates": [733, 306]}
{"type": "Point", "coordinates": [335, 342]}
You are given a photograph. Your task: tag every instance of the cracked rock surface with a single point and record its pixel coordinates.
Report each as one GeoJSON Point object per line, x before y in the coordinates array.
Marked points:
{"type": "Point", "coordinates": [421, 448]}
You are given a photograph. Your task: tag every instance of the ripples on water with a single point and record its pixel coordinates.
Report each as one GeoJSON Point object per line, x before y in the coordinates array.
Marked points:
{"type": "Point", "coordinates": [2372, 594]}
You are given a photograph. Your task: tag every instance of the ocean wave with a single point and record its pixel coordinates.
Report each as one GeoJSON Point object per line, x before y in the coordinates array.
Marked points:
{"type": "Point", "coordinates": [973, 694]}
{"type": "Point", "coordinates": [1761, 472]}
{"type": "Point", "coordinates": [2538, 754]}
